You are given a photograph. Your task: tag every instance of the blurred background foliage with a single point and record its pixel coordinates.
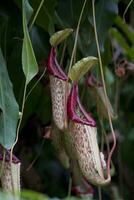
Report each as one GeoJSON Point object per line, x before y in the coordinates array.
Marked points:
{"type": "Point", "coordinates": [116, 38]}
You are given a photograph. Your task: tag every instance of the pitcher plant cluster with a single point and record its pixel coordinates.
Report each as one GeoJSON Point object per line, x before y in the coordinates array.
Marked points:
{"type": "Point", "coordinates": [74, 130]}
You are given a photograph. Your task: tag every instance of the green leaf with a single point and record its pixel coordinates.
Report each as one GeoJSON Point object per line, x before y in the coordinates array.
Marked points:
{"type": "Point", "coordinates": [81, 67]}
{"type": "Point", "coordinates": [9, 110]}
{"type": "Point", "coordinates": [31, 195]}
{"type": "Point", "coordinates": [29, 63]}
{"type": "Point", "coordinates": [122, 42]}
{"type": "Point", "coordinates": [28, 11]}
{"type": "Point", "coordinates": [60, 36]}
{"type": "Point", "coordinates": [125, 28]}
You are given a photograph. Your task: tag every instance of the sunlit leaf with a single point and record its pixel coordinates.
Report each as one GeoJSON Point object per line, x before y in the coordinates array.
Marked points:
{"type": "Point", "coordinates": [60, 36]}
{"type": "Point", "coordinates": [29, 63]}
{"type": "Point", "coordinates": [32, 195]}
{"type": "Point", "coordinates": [80, 68]}
{"type": "Point", "coordinates": [9, 110]}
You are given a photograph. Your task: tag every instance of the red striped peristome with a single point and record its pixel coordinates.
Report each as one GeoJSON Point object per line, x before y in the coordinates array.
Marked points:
{"type": "Point", "coordinates": [10, 177]}
{"type": "Point", "coordinates": [59, 90]}
{"type": "Point", "coordinates": [82, 140]}
{"type": "Point", "coordinates": [73, 104]}
{"type": "Point", "coordinates": [53, 66]}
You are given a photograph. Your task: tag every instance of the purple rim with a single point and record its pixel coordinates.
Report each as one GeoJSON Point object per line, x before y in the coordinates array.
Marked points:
{"type": "Point", "coordinates": [53, 66]}
{"type": "Point", "coordinates": [92, 82]}
{"type": "Point", "coordinates": [73, 102]}
{"type": "Point", "coordinates": [15, 160]}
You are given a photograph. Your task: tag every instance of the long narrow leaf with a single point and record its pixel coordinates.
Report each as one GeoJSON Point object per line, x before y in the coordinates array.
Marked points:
{"type": "Point", "coordinates": [9, 110]}
{"type": "Point", "coordinates": [125, 28]}
{"type": "Point", "coordinates": [29, 63]}
{"type": "Point", "coordinates": [121, 40]}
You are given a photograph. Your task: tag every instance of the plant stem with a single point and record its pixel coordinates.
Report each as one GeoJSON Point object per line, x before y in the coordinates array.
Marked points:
{"type": "Point", "coordinates": [24, 96]}
{"type": "Point", "coordinates": [69, 186]}
{"type": "Point", "coordinates": [25, 88]}
{"type": "Point", "coordinates": [129, 4]}
{"type": "Point", "coordinates": [105, 92]}
{"type": "Point", "coordinates": [76, 36]}
{"type": "Point", "coordinates": [104, 135]}
{"type": "Point", "coordinates": [75, 44]}
{"type": "Point", "coordinates": [19, 123]}
{"type": "Point", "coordinates": [36, 83]}
{"type": "Point", "coordinates": [18, 128]}
{"type": "Point", "coordinates": [35, 15]}
{"type": "Point", "coordinates": [99, 193]}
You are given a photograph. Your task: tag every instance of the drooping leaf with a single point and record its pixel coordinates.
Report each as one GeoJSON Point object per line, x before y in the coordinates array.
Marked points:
{"type": "Point", "coordinates": [9, 110]}
{"type": "Point", "coordinates": [60, 36]}
{"type": "Point", "coordinates": [122, 42]}
{"type": "Point", "coordinates": [29, 63]}
{"type": "Point", "coordinates": [124, 36]}
{"type": "Point", "coordinates": [80, 68]}
{"type": "Point", "coordinates": [125, 28]}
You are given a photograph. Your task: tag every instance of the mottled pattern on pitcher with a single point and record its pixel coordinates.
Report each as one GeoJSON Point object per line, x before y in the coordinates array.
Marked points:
{"type": "Point", "coordinates": [58, 94]}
